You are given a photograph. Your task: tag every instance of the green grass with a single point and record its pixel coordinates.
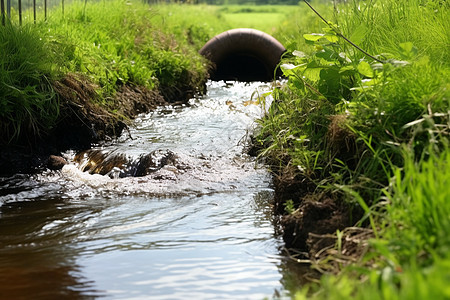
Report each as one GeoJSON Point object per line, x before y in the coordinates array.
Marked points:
{"type": "Point", "coordinates": [418, 204]}
{"type": "Point", "coordinates": [255, 20]}
{"type": "Point", "coordinates": [377, 134]}
{"type": "Point", "coordinates": [195, 24]}
{"type": "Point", "coordinates": [28, 104]}
{"type": "Point", "coordinates": [383, 26]}
{"type": "Point", "coordinates": [410, 260]}
{"type": "Point", "coordinates": [377, 104]}
{"type": "Point", "coordinates": [262, 17]}
{"type": "Point", "coordinates": [300, 20]}
{"type": "Point", "coordinates": [112, 44]}
{"type": "Point", "coordinates": [124, 43]}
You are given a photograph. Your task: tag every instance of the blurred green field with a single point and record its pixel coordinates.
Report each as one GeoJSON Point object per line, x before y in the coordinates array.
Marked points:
{"type": "Point", "coordinates": [267, 22]}
{"type": "Point", "coordinates": [264, 18]}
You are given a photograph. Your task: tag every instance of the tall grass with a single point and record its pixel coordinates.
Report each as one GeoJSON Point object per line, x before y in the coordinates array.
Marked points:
{"type": "Point", "coordinates": [300, 20]}
{"type": "Point", "coordinates": [112, 44]}
{"type": "Point", "coordinates": [117, 43]}
{"type": "Point", "coordinates": [376, 103]}
{"type": "Point", "coordinates": [411, 259]}
{"type": "Point", "coordinates": [377, 134]}
{"type": "Point", "coordinates": [418, 204]}
{"type": "Point", "coordinates": [28, 104]}
{"type": "Point", "coordinates": [194, 24]}
{"type": "Point", "coordinates": [382, 27]}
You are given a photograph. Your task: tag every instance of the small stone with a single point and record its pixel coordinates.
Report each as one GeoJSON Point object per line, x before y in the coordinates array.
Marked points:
{"type": "Point", "coordinates": [56, 162]}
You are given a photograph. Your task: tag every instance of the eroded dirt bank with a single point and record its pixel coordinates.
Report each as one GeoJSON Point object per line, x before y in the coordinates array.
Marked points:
{"type": "Point", "coordinates": [309, 217]}
{"type": "Point", "coordinates": [83, 121]}
{"type": "Point", "coordinates": [310, 228]}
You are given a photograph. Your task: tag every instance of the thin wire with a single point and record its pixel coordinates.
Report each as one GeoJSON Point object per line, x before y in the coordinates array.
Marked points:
{"type": "Point", "coordinates": [342, 36]}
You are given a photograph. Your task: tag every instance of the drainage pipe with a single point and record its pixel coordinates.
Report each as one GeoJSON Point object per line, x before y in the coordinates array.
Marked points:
{"type": "Point", "coordinates": [243, 54]}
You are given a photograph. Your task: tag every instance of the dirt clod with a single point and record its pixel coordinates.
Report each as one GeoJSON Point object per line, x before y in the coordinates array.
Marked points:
{"type": "Point", "coordinates": [56, 162]}
{"type": "Point", "coordinates": [319, 216]}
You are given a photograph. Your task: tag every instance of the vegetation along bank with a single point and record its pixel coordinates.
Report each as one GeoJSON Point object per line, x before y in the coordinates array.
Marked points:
{"type": "Point", "coordinates": [358, 140]}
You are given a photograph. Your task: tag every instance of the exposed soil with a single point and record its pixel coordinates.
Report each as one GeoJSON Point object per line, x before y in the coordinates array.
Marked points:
{"type": "Point", "coordinates": [83, 122]}
{"type": "Point", "coordinates": [310, 231]}
{"type": "Point", "coordinates": [308, 218]}
{"type": "Point", "coordinates": [314, 214]}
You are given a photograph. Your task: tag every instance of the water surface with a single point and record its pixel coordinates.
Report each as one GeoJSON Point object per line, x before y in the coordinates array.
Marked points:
{"type": "Point", "coordinates": [200, 228]}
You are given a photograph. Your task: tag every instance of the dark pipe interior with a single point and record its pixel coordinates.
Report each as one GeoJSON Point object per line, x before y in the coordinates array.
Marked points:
{"type": "Point", "coordinates": [242, 67]}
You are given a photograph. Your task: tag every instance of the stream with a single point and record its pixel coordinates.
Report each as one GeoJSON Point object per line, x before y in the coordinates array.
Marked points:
{"type": "Point", "coordinates": [197, 227]}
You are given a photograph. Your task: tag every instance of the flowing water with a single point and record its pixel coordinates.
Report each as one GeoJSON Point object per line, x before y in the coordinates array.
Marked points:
{"type": "Point", "coordinates": [198, 226]}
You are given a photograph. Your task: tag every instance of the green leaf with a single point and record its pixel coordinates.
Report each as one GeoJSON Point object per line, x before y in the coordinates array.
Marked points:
{"type": "Point", "coordinates": [312, 72]}
{"type": "Point", "coordinates": [327, 54]}
{"type": "Point", "coordinates": [297, 84]}
{"type": "Point", "coordinates": [332, 38]}
{"type": "Point", "coordinates": [330, 75]}
{"type": "Point", "coordinates": [313, 37]}
{"type": "Point", "coordinates": [365, 69]}
{"type": "Point", "coordinates": [407, 47]}
{"type": "Point", "coordinates": [408, 50]}
{"type": "Point", "coordinates": [359, 34]}
{"type": "Point", "coordinates": [347, 70]}
{"type": "Point", "coordinates": [330, 83]}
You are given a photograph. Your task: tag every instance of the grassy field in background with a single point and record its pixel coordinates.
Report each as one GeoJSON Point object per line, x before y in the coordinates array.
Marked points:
{"type": "Point", "coordinates": [267, 22]}
{"type": "Point", "coordinates": [264, 18]}
{"type": "Point", "coordinates": [212, 20]}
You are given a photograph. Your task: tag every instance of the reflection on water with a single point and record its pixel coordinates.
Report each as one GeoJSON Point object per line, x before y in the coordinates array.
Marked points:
{"type": "Point", "coordinates": [35, 261]}
{"type": "Point", "coordinates": [200, 227]}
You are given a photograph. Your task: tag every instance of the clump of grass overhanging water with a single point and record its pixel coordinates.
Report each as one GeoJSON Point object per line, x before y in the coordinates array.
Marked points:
{"type": "Point", "coordinates": [374, 128]}
{"type": "Point", "coordinates": [28, 104]}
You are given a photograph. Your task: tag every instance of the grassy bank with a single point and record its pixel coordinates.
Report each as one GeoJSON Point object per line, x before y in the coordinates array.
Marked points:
{"type": "Point", "coordinates": [108, 45]}
{"type": "Point", "coordinates": [359, 142]}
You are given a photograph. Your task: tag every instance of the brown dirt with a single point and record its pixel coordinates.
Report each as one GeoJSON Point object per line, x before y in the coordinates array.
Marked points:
{"type": "Point", "coordinates": [327, 257]}
{"type": "Point", "coordinates": [310, 231]}
{"type": "Point", "coordinates": [341, 142]}
{"type": "Point", "coordinates": [316, 214]}
{"type": "Point", "coordinates": [311, 228]}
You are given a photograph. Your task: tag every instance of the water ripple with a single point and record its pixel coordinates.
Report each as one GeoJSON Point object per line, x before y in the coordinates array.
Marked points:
{"type": "Point", "coordinates": [199, 228]}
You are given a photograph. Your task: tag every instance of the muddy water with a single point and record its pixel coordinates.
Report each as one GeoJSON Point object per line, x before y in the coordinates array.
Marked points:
{"type": "Point", "coordinates": [199, 227]}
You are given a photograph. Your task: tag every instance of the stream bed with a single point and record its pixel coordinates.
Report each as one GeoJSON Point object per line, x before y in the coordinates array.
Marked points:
{"type": "Point", "coordinates": [199, 227]}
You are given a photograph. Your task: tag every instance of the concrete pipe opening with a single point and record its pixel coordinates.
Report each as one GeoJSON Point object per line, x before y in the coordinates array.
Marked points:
{"type": "Point", "coordinates": [243, 54]}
